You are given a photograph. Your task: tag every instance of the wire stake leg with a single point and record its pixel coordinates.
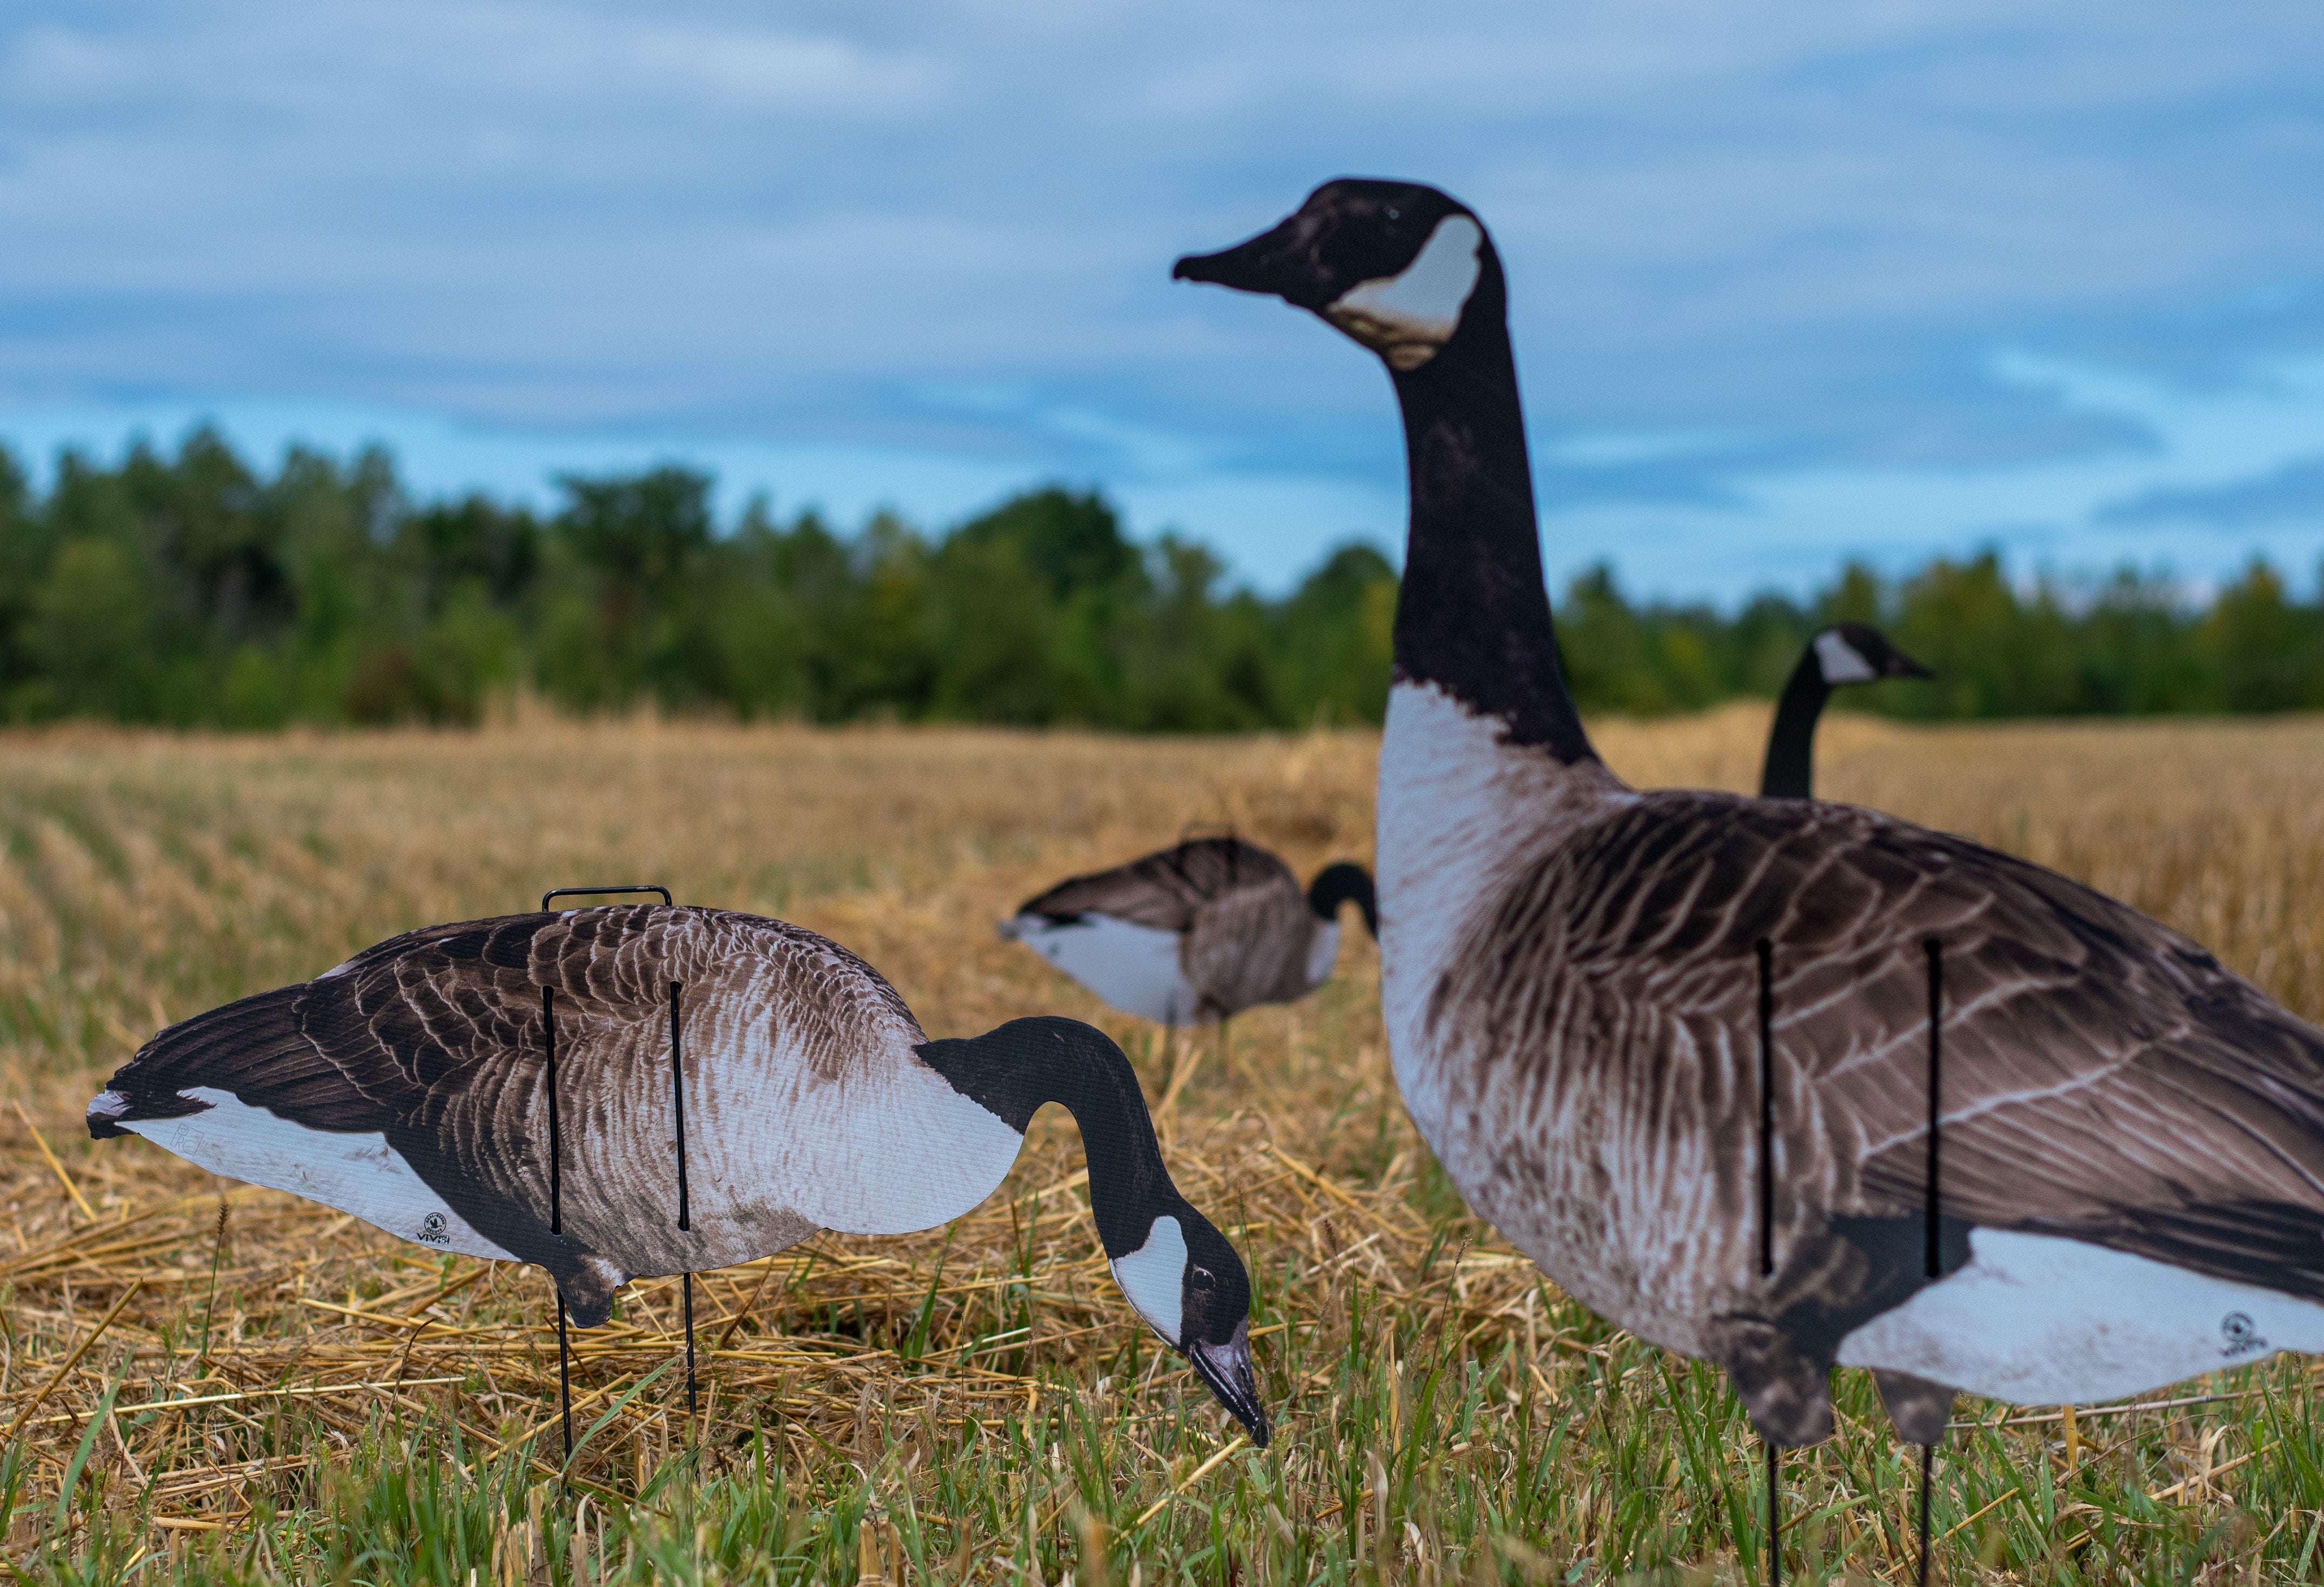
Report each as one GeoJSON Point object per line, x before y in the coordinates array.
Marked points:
{"type": "Point", "coordinates": [557, 1213]}
{"type": "Point", "coordinates": [1928, 1460]}
{"type": "Point", "coordinates": [685, 1208]}
{"type": "Point", "coordinates": [688, 1286]}
{"type": "Point", "coordinates": [1774, 1516]}
{"type": "Point", "coordinates": [1935, 1252]}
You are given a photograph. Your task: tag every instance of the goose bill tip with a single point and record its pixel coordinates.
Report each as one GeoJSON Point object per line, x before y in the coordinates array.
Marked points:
{"type": "Point", "coordinates": [1201, 267]}
{"type": "Point", "coordinates": [1226, 1371]}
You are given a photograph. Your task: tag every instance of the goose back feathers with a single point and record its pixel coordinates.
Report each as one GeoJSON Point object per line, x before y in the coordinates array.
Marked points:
{"type": "Point", "coordinates": [1195, 932]}
{"type": "Point", "coordinates": [2132, 1179]}
{"type": "Point", "coordinates": [408, 1087]}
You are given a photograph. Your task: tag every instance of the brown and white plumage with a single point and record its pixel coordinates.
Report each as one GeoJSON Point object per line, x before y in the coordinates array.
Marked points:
{"type": "Point", "coordinates": [410, 1086]}
{"type": "Point", "coordinates": [2132, 1178]}
{"type": "Point", "coordinates": [1195, 932]}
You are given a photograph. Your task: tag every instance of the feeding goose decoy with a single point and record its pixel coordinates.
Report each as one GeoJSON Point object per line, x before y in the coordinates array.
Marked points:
{"type": "Point", "coordinates": [409, 1087]}
{"type": "Point", "coordinates": [1838, 655]}
{"type": "Point", "coordinates": [2132, 1182]}
{"type": "Point", "coordinates": [1195, 932]}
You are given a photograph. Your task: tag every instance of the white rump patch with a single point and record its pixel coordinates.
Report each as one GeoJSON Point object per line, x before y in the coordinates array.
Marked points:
{"type": "Point", "coordinates": [1323, 951]}
{"type": "Point", "coordinates": [2037, 1320]}
{"type": "Point", "coordinates": [357, 1174]}
{"type": "Point", "coordinates": [1135, 968]}
{"type": "Point", "coordinates": [1154, 1277]}
{"type": "Point", "coordinates": [1840, 660]}
{"type": "Point", "coordinates": [1406, 318]}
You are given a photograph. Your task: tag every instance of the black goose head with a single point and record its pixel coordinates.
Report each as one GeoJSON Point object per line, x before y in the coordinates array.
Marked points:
{"type": "Point", "coordinates": [1344, 883]}
{"type": "Point", "coordinates": [1856, 652]}
{"type": "Point", "coordinates": [1189, 1284]}
{"type": "Point", "coordinates": [1174, 1266]}
{"type": "Point", "coordinates": [1398, 266]}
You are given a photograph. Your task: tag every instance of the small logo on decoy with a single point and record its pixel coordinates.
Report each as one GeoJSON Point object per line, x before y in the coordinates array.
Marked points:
{"type": "Point", "coordinates": [433, 1230]}
{"type": "Point", "coordinates": [2241, 1335]}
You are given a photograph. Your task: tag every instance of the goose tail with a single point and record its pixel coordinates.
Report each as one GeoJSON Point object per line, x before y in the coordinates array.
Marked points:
{"type": "Point", "coordinates": [253, 1049]}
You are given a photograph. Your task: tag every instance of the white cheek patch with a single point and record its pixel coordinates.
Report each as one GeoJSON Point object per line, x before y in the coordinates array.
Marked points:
{"type": "Point", "coordinates": [1839, 661]}
{"type": "Point", "coordinates": [1154, 1277]}
{"type": "Point", "coordinates": [1406, 318]}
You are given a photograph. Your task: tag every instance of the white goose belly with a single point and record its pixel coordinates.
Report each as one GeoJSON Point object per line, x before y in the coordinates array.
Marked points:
{"type": "Point", "coordinates": [2035, 1319]}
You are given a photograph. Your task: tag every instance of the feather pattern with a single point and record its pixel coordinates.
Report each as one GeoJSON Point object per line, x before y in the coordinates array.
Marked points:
{"type": "Point", "coordinates": [1245, 932]}
{"type": "Point", "coordinates": [803, 1088]}
{"type": "Point", "coordinates": [1590, 1044]}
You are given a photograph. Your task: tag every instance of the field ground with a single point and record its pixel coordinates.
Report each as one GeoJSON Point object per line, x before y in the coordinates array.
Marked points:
{"type": "Point", "coordinates": [977, 1403]}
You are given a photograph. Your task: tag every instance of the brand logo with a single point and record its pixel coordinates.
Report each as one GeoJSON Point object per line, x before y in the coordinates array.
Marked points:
{"type": "Point", "coordinates": [2241, 1335]}
{"type": "Point", "coordinates": [435, 1230]}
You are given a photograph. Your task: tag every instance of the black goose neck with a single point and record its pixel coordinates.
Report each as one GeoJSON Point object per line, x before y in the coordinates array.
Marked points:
{"type": "Point", "coordinates": [1012, 1070]}
{"type": "Point", "coordinates": [1473, 614]}
{"type": "Point", "coordinates": [1790, 769]}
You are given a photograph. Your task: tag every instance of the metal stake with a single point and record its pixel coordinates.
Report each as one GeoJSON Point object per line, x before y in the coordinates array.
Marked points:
{"type": "Point", "coordinates": [557, 1154]}
{"type": "Point", "coordinates": [685, 1210]}
{"type": "Point", "coordinates": [1775, 1520]}
{"type": "Point", "coordinates": [1767, 1216]}
{"type": "Point", "coordinates": [1935, 1255]}
{"type": "Point", "coordinates": [1766, 1110]}
{"type": "Point", "coordinates": [1928, 1460]}
{"type": "Point", "coordinates": [556, 1214]}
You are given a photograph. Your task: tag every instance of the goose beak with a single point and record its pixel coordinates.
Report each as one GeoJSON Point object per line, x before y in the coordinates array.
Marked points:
{"type": "Point", "coordinates": [1273, 262]}
{"type": "Point", "coordinates": [1227, 1369]}
{"type": "Point", "coordinates": [1901, 665]}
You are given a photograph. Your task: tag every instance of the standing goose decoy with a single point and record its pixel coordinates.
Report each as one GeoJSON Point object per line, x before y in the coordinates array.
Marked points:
{"type": "Point", "coordinates": [2132, 1182]}
{"type": "Point", "coordinates": [407, 1087]}
{"type": "Point", "coordinates": [1196, 932]}
{"type": "Point", "coordinates": [1841, 654]}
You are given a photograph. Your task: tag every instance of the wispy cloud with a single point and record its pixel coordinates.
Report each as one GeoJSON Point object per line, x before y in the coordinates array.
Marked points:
{"type": "Point", "coordinates": [1767, 252]}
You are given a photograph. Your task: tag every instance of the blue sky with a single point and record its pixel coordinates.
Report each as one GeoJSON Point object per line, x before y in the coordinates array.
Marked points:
{"type": "Point", "coordinates": [1791, 282]}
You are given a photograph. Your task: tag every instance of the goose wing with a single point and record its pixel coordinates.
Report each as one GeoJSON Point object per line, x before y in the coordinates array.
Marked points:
{"type": "Point", "coordinates": [433, 1043]}
{"type": "Point", "coordinates": [2103, 1077]}
{"type": "Point", "coordinates": [1165, 890]}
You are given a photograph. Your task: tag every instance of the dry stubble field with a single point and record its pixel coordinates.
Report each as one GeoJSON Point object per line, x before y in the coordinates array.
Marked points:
{"type": "Point", "coordinates": [208, 1381]}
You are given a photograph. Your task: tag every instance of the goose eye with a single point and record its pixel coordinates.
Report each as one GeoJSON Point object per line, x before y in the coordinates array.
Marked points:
{"type": "Point", "coordinates": [1394, 214]}
{"type": "Point", "coordinates": [1201, 1279]}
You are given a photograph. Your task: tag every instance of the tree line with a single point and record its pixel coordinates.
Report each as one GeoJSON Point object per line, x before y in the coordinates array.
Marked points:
{"type": "Point", "coordinates": [194, 590]}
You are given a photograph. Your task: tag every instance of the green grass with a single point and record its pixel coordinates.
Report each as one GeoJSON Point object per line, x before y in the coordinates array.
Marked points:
{"type": "Point", "coordinates": [976, 1404]}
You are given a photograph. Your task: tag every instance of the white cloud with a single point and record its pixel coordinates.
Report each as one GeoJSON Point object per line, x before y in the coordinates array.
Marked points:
{"type": "Point", "coordinates": [1757, 238]}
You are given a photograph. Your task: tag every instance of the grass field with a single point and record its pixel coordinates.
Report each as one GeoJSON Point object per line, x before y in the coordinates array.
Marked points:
{"type": "Point", "coordinates": [977, 1404]}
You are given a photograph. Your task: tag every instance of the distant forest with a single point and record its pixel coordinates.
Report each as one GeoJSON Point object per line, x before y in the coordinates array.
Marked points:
{"type": "Point", "coordinates": [194, 590]}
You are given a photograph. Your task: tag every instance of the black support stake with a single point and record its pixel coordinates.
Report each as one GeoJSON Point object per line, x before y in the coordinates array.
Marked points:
{"type": "Point", "coordinates": [684, 1209]}
{"type": "Point", "coordinates": [557, 1153]}
{"type": "Point", "coordinates": [1935, 1254]}
{"type": "Point", "coordinates": [1766, 1110]}
{"type": "Point", "coordinates": [1928, 1460]}
{"type": "Point", "coordinates": [1775, 1519]}
{"type": "Point", "coordinates": [556, 1212]}
{"type": "Point", "coordinates": [1768, 1217]}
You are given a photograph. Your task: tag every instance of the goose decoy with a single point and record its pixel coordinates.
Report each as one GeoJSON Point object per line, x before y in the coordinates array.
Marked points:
{"type": "Point", "coordinates": [1195, 932]}
{"type": "Point", "coordinates": [1675, 1044]}
{"type": "Point", "coordinates": [409, 1087]}
{"type": "Point", "coordinates": [1841, 654]}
